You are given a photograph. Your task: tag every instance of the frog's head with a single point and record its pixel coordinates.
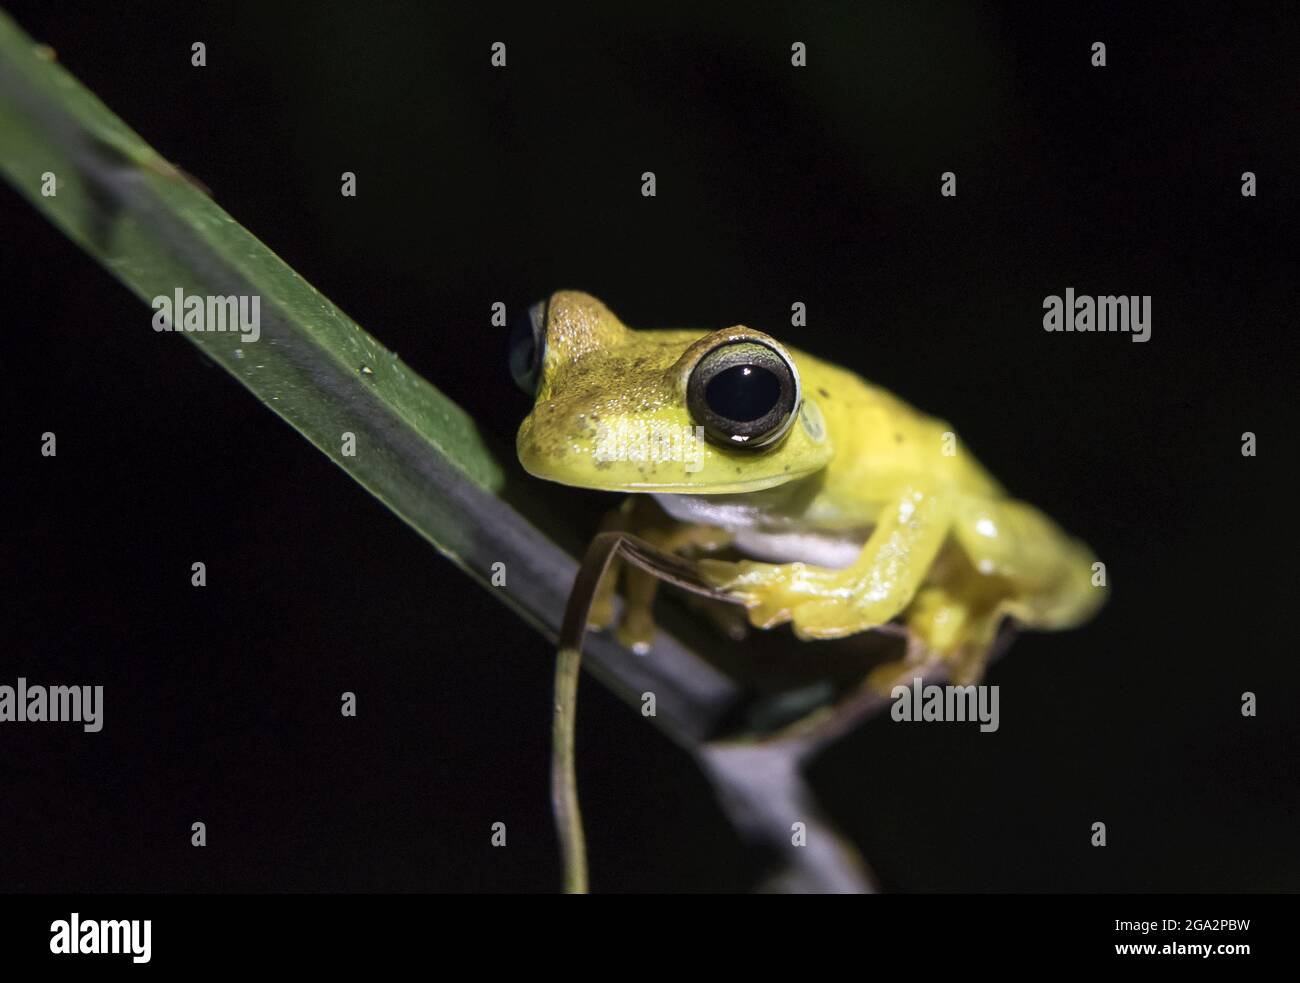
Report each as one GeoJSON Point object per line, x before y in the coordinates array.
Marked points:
{"type": "Point", "coordinates": [686, 412]}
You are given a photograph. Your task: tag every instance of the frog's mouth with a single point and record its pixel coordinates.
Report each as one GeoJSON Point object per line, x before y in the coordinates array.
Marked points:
{"type": "Point", "coordinates": [719, 487]}
{"type": "Point", "coordinates": [668, 457]}
{"type": "Point", "coordinates": [711, 474]}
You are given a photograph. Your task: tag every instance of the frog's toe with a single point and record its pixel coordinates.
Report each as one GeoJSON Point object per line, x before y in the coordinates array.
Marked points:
{"type": "Point", "coordinates": [723, 574]}
{"type": "Point", "coordinates": [749, 577]}
{"type": "Point", "coordinates": [637, 631]}
{"type": "Point", "coordinates": [765, 607]}
{"type": "Point", "coordinates": [767, 612]}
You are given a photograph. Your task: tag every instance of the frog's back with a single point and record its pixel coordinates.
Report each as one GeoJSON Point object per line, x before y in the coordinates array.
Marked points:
{"type": "Point", "coordinates": [882, 444]}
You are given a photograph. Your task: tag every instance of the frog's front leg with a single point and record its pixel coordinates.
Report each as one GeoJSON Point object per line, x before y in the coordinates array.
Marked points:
{"type": "Point", "coordinates": [874, 589]}
{"type": "Point", "coordinates": [642, 517]}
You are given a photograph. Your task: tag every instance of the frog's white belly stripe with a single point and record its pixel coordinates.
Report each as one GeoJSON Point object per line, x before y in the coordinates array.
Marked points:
{"type": "Point", "coordinates": [779, 545]}
{"type": "Point", "coordinates": [818, 549]}
{"type": "Point", "coordinates": [729, 515]}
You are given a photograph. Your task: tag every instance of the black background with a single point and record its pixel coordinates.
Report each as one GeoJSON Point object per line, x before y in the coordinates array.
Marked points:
{"type": "Point", "coordinates": [775, 184]}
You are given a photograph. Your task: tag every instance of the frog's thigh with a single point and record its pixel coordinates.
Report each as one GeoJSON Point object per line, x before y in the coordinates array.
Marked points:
{"type": "Point", "coordinates": [1045, 571]}
{"type": "Point", "coordinates": [825, 603]}
{"type": "Point", "coordinates": [1007, 538]}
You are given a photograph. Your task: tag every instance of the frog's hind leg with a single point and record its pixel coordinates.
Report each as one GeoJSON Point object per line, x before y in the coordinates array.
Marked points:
{"type": "Point", "coordinates": [1046, 576]}
{"type": "Point", "coordinates": [1008, 561]}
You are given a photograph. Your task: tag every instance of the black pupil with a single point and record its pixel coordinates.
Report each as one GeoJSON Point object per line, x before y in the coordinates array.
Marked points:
{"type": "Point", "coordinates": [743, 393]}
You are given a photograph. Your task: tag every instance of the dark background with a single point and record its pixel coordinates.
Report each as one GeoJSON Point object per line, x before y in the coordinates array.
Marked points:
{"type": "Point", "coordinates": [775, 184]}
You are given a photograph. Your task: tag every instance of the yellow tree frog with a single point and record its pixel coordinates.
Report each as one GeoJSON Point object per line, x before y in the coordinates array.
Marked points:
{"type": "Point", "coordinates": [849, 508]}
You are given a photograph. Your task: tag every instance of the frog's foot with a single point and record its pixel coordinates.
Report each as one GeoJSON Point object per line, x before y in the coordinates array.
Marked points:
{"type": "Point", "coordinates": [962, 631]}
{"type": "Point", "coordinates": [772, 593]}
{"type": "Point", "coordinates": [821, 603]}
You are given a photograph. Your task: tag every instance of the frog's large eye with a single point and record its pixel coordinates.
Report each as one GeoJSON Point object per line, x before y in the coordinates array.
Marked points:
{"type": "Point", "coordinates": [744, 394]}
{"type": "Point", "coordinates": [527, 346]}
